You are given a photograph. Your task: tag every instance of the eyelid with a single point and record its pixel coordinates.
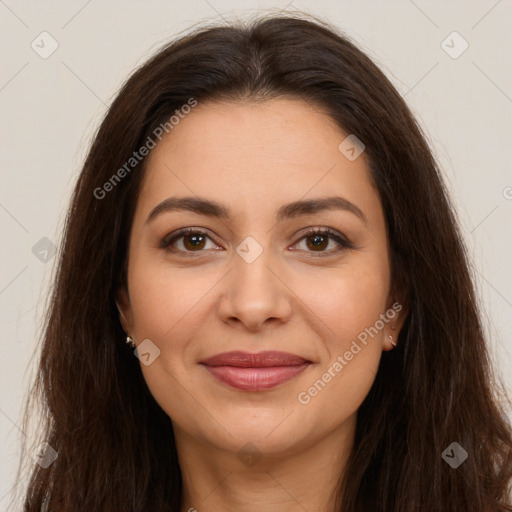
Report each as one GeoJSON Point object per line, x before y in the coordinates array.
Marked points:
{"type": "Point", "coordinates": [176, 235]}
{"type": "Point", "coordinates": [342, 241]}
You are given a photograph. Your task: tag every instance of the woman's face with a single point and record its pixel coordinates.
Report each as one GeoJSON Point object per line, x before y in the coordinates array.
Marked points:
{"type": "Point", "coordinates": [253, 280]}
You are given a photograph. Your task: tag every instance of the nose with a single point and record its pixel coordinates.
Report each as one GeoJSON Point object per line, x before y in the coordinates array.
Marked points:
{"type": "Point", "coordinates": [255, 295]}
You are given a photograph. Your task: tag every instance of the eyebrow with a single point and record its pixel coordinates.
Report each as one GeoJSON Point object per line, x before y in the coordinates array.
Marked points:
{"type": "Point", "coordinates": [210, 208]}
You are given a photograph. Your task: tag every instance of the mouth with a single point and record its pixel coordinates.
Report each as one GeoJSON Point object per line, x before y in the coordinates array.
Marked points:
{"type": "Point", "coordinates": [255, 372]}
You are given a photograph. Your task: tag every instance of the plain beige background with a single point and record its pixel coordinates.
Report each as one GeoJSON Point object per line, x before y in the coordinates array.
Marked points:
{"type": "Point", "coordinates": [50, 107]}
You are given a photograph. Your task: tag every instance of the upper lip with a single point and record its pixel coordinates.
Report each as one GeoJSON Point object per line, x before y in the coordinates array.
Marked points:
{"type": "Point", "coordinates": [258, 360]}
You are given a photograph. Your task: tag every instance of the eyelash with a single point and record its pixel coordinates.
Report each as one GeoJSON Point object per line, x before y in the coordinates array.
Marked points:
{"type": "Point", "coordinates": [343, 242]}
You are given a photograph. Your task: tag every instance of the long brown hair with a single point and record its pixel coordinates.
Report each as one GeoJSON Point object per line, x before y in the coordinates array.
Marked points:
{"type": "Point", "coordinates": [115, 445]}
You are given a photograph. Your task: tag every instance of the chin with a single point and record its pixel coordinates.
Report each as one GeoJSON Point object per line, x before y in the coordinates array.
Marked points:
{"type": "Point", "coordinates": [274, 434]}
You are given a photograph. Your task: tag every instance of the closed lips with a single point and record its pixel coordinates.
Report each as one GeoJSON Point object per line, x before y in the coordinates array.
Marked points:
{"type": "Point", "coordinates": [255, 372]}
{"type": "Point", "coordinates": [258, 360]}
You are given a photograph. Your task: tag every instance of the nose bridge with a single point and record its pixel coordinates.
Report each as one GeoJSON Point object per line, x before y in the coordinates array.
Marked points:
{"type": "Point", "coordinates": [251, 267]}
{"type": "Point", "coordinates": [254, 292]}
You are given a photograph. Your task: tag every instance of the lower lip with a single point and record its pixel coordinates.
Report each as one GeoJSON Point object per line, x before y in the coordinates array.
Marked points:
{"type": "Point", "coordinates": [256, 379]}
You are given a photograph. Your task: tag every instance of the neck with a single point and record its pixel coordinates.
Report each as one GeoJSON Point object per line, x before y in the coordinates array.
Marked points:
{"type": "Point", "coordinates": [304, 477]}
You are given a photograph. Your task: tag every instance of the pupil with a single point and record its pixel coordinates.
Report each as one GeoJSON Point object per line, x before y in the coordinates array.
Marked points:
{"type": "Point", "coordinates": [317, 241]}
{"type": "Point", "coordinates": [193, 241]}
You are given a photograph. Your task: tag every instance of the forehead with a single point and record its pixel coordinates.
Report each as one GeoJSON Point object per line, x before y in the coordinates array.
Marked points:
{"type": "Point", "coordinates": [255, 157]}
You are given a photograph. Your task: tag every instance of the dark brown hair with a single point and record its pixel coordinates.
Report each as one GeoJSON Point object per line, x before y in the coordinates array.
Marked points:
{"type": "Point", "coordinates": [115, 444]}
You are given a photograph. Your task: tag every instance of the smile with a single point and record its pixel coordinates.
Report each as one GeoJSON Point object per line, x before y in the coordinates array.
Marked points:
{"type": "Point", "coordinates": [255, 372]}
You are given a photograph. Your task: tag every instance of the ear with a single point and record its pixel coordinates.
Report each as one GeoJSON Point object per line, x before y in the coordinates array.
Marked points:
{"type": "Point", "coordinates": [396, 314]}
{"type": "Point", "coordinates": [125, 310]}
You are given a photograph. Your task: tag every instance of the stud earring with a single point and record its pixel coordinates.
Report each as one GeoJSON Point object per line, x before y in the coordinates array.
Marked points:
{"type": "Point", "coordinates": [391, 336]}
{"type": "Point", "coordinates": [129, 341]}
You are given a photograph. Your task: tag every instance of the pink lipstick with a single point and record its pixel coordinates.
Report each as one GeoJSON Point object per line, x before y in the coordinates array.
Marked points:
{"type": "Point", "coordinates": [255, 372]}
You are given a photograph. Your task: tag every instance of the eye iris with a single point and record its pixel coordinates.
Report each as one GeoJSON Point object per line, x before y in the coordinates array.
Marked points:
{"type": "Point", "coordinates": [197, 241]}
{"type": "Point", "coordinates": [319, 241]}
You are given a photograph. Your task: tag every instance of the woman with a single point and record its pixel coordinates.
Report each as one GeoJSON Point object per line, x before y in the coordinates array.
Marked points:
{"type": "Point", "coordinates": [261, 220]}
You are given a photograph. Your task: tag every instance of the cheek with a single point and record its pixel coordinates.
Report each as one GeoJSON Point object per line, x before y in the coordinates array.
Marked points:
{"type": "Point", "coordinates": [164, 302]}
{"type": "Point", "coordinates": [349, 309]}
{"type": "Point", "coordinates": [346, 301]}
{"type": "Point", "coordinates": [167, 307]}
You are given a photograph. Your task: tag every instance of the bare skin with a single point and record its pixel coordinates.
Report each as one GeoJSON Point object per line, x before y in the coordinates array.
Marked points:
{"type": "Point", "coordinates": [254, 158]}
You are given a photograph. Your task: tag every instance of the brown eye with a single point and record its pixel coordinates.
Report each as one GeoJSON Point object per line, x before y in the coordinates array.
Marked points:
{"type": "Point", "coordinates": [194, 241]}
{"type": "Point", "coordinates": [187, 241]}
{"type": "Point", "coordinates": [315, 242]}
